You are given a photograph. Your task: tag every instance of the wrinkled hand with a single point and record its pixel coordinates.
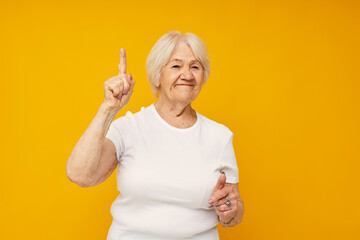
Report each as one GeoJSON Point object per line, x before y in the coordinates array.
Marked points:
{"type": "Point", "coordinates": [118, 89]}
{"type": "Point", "coordinates": [221, 193]}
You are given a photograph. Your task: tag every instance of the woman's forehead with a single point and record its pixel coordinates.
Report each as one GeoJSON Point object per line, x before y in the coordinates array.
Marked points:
{"type": "Point", "coordinates": [183, 52]}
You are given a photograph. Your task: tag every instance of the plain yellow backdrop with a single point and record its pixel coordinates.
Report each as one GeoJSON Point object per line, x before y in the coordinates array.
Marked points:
{"type": "Point", "coordinates": [284, 78]}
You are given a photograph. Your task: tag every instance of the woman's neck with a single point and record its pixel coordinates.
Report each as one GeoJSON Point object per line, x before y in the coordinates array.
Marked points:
{"type": "Point", "coordinates": [176, 113]}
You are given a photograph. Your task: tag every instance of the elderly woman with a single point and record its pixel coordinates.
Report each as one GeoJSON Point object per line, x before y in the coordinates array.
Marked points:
{"type": "Point", "coordinates": [177, 173]}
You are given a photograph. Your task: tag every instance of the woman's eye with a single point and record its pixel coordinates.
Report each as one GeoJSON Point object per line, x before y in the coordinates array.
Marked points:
{"type": "Point", "coordinates": [196, 67]}
{"type": "Point", "coordinates": [175, 66]}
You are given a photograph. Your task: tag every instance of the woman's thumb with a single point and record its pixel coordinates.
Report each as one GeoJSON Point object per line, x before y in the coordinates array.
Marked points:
{"type": "Point", "coordinates": [221, 181]}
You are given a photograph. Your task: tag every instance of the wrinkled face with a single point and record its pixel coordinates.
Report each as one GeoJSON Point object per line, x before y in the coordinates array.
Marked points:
{"type": "Point", "coordinates": [182, 77]}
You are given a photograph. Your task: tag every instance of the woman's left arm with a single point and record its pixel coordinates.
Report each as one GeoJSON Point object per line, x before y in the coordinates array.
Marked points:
{"type": "Point", "coordinates": [227, 202]}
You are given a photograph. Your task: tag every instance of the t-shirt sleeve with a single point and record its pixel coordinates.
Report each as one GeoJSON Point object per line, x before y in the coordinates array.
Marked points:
{"type": "Point", "coordinates": [116, 135]}
{"type": "Point", "coordinates": [229, 164]}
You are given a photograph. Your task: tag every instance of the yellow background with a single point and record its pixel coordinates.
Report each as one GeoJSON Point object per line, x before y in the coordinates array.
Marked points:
{"type": "Point", "coordinates": [284, 79]}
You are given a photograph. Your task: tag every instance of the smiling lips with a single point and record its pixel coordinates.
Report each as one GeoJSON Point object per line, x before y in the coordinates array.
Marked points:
{"type": "Point", "coordinates": [185, 85]}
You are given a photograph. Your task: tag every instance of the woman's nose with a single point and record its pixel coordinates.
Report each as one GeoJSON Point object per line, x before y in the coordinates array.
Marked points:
{"type": "Point", "coordinates": [186, 74]}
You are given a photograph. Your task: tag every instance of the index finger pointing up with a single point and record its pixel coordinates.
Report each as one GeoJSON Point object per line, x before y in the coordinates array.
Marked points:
{"type": "Point", "coordinates": [122, 64]}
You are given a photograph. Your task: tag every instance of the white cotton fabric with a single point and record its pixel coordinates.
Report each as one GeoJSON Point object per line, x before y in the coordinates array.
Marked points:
{"type": "Point", "coordinates": [166, 176]}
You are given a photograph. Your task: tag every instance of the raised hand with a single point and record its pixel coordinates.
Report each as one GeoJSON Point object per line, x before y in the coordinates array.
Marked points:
{"type": "Point", "coordinates": [223, 192]}
{"type": "Point", "coordinates": [118, 89]}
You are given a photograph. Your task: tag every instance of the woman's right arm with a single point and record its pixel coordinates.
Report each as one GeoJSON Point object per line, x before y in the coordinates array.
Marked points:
{"type": "Point", "coordinates": [93, 158]}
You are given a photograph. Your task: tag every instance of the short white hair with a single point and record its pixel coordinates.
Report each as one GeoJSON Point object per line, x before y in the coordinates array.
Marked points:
{"type": "Point", "coordinates": [161, 52]}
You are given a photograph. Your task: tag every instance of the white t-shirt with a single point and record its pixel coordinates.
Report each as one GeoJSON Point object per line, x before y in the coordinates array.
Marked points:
{"type": "Point", "coordinates": [166, 176]}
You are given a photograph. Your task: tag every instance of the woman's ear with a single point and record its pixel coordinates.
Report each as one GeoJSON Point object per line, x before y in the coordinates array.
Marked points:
{"type": "Point", "coordinates": [157, 85]}
{"type": "Point", "coordinates": [158, 90]}
{"type": "Point", "coordinates": [157, 82]}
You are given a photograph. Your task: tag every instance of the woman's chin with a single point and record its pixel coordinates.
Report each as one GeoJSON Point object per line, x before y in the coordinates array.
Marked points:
{"type": "Point", "coordinates": [185, 98]}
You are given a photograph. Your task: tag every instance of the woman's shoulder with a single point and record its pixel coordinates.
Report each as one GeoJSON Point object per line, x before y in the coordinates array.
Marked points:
{"type": "Point", "coordinates": [132, 116]}
{"type": "Point", "coordinates": [214, 126]}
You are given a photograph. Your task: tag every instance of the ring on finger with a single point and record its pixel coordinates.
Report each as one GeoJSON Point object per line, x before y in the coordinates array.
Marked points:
{"type": "Point", "coordinates": [228, 202]}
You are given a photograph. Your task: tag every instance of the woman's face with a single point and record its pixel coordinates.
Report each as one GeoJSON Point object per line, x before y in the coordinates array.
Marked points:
{"type": "Point", "coordinates": [182, 77]}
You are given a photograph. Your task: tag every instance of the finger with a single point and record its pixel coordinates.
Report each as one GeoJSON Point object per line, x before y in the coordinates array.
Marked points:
{"type": "Point", "coordinates": [223, 208]}
{"type": "Point", "coordinates": [126, 84]}
{"type": "Point", "coordinates": [219, 185]}
{"type": "Point", "coordinates": [221, 181]}
{"type": "Point", "coordinates": [122, 65]}
{"type": "Point", "coordinates": [220, 202]}
{"type": "Point", "coordinates": [231, 197]}
{"type": "Point", "coordinates": [116, 90]}
{"type": "Point", "coordinates": [228, 214]}
{"type": "Point", "coordinates": [219, 194]}
{"type": "Point", "coordinates": [132, 83]}
{"type": "Point", "coordinates": [132, 80]}
{"type": "Point", "coordinates": [118, 85]}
